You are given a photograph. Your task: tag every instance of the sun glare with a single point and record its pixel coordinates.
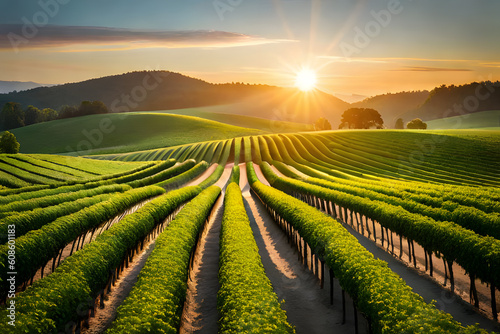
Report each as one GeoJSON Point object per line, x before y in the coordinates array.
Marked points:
{"type": "Point", "coordinates": [305, 80]}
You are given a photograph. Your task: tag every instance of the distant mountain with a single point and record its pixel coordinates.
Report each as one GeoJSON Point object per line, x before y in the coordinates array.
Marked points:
{"type": "Point", "coordinates": [288, 104]}
{"type": "Point", "coordinates": [162, 90]}
{"type": "Point", "coordinates": [448, 101]}
{"type": "Point", "coordinates": [352, 98]}
{"type": "Point", "coordinates": [10, 86]}
{"type": "Point", "coordinates": [392, 106]}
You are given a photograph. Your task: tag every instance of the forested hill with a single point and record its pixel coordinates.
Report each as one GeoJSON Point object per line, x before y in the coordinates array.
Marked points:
{"type": "Point", "coordinates": [162, 90]}
{"type": "Point", "coordinates": [447, 101]}
{"type": "Point", "coordinates": [393, 105]}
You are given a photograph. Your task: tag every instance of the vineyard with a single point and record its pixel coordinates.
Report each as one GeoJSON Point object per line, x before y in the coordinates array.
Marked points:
{"type": "Point", "coordinates": [340, 231]}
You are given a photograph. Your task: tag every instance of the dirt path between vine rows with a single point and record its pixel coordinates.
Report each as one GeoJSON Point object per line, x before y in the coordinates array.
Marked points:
{"type": "Point", "coordinates": [200, 313]}
{"type": "Point", "coordinates": [307, 305]}
{"type": "Point", "coordinates": [104, 317]}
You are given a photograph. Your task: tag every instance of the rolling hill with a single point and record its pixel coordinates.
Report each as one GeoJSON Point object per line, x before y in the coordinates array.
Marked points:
{"type": "Point", "coordinates": [162, 90]}
{"type": "Point", "coordinates": [223, 114]}
{"type": "Point", "coordinates": [118, 133]}
{"type": "Point", "coordinates": [11, 86]}
{"type": "Point", "coordinates": [392, 106]}
{"type": "Point", "coordinates": [480, 120]}
{"type": "Point", "coordinates": [448, 101]}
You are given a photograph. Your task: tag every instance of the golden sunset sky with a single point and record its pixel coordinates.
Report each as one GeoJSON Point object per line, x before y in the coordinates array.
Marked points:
{"type": "Point", "coordinates": [355, 47]}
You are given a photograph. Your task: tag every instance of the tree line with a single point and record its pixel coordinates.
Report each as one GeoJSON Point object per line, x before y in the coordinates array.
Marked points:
{"type": "Point", "coordinates": [14, 116]}
{"type": "Point", "coordinates": [366, 118]}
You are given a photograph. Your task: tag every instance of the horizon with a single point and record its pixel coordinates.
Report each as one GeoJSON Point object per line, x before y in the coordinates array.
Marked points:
{"type": "Point", "coordinates": [360, 48]}
{"type": "Point", "coordinates": [349, 98]}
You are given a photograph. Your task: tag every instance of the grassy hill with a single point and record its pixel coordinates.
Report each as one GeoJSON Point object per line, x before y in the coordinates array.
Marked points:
{"type": "Point", "coordinates": [482, 119]}
{"type": "Point", "coordinates": [223, 114]}
{"type": "Point", "coordinates": [118, 133]}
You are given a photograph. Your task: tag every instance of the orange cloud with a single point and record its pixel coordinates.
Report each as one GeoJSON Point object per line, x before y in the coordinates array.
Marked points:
{"type": "Point", "coordinates": [113, 39]}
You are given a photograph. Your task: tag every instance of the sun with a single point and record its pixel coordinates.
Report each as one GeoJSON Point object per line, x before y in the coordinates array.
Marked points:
{"type": "Point", "coordinates": [305, 80]}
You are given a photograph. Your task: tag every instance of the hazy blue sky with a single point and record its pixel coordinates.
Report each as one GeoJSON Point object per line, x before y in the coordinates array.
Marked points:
{"type": "Point", "coordinates": [365, 47]}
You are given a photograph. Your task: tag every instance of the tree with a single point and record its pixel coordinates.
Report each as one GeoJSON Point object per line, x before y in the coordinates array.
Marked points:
{"type": "Point", "coordinates": [8, 143]}
{"type": "Point", "coordinates": [12, 116]}
{"type": "Point", "coordinates": [32, 115]}
{"type": "Point", "coordinates": [322, 124]}
{"type": "Point", "coordinates": [48, 114]}
{"type": "Point", "coordinates": [92, 108]}
{"type": "Point", "coordinates": [416, 124]}
{"type": "Point", "coordinates": [361, 118]}
{"type": "Point", "coordinates": [399, 124]}
{"type": "Point", "coordinates": [67, 112]}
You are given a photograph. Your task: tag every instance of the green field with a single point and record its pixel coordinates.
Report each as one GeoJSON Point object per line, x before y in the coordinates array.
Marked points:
{"type": "Point", "coordinates": [479, 120]}
{"type": "Point", "coordinates": [117, 133]}
{"type": "Point", "coordinates": [137, 131]}
{"type": "Point", "coordinates": [223, 114]}
{"type": "Point", "coordinates": [436, 189]}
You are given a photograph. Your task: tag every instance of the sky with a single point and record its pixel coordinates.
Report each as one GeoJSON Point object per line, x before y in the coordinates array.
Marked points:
{"type": "Point", "coordinates": [364, 47]}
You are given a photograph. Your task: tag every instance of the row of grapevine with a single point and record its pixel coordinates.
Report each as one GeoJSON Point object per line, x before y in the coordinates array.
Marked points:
{"type": "Point", "coordinates": [76, 173]}
{"type": "Point", "coordinates": [163, 175]}
{"type": "Point", "coordinates": [478, 255]}
{"type": "Point", "coordinates": [246, 300]}
{"type": "Point", "coordinates": [159, 294]}
{"type": "Point", "coordinates": [350, 154]}
{"type": "Point", "coordinates": [441, 152]}
{"type": "Point", "coordinates": [26, 175]}
{"type": "Point", "coordinates": [143, 173]}
{"type": "Point", "coordinates": [38, 171]}
{"type": "Point", "coordinates": [61, 197]}
{"type": "Point", "coordinates": [90, 166]}
{"type": "Point", "coordinates": [48, 241]}
{"type": "Point", "coordinates": [23, 222]}
{"type": "Point", "coordinates": [27, 191]}
{"type": "Point", "coordinates": [484, 198]}
{"type": "Point", "coordinates": [64, 297]}
{"type": "Point", "coordinates": [468, 217]}
{"type": "Point", "coordinates": [183, 178]}
{"type": "Point", "coordinates": [20, 171]}
{"type": "Point", "coordinates": [11, 181]}
{"type": "Point", "coordinates": [379, 293]}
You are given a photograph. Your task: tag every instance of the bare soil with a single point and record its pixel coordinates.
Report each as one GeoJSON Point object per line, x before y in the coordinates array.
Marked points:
{"type": "Point", "coordinates": [200, 313]}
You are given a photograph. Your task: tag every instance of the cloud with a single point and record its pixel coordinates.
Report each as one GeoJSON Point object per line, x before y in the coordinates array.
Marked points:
{"type": "Point", "coordinates": [108, 39]}
{"type": "Point", "coordinates": [431, 69]}
{"type": "Point", "coordinates": [336, 59]}
{"type": "Point", "coordinates": [386, 59]}
{"type": "Point", "coordinates": [490, 64]}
